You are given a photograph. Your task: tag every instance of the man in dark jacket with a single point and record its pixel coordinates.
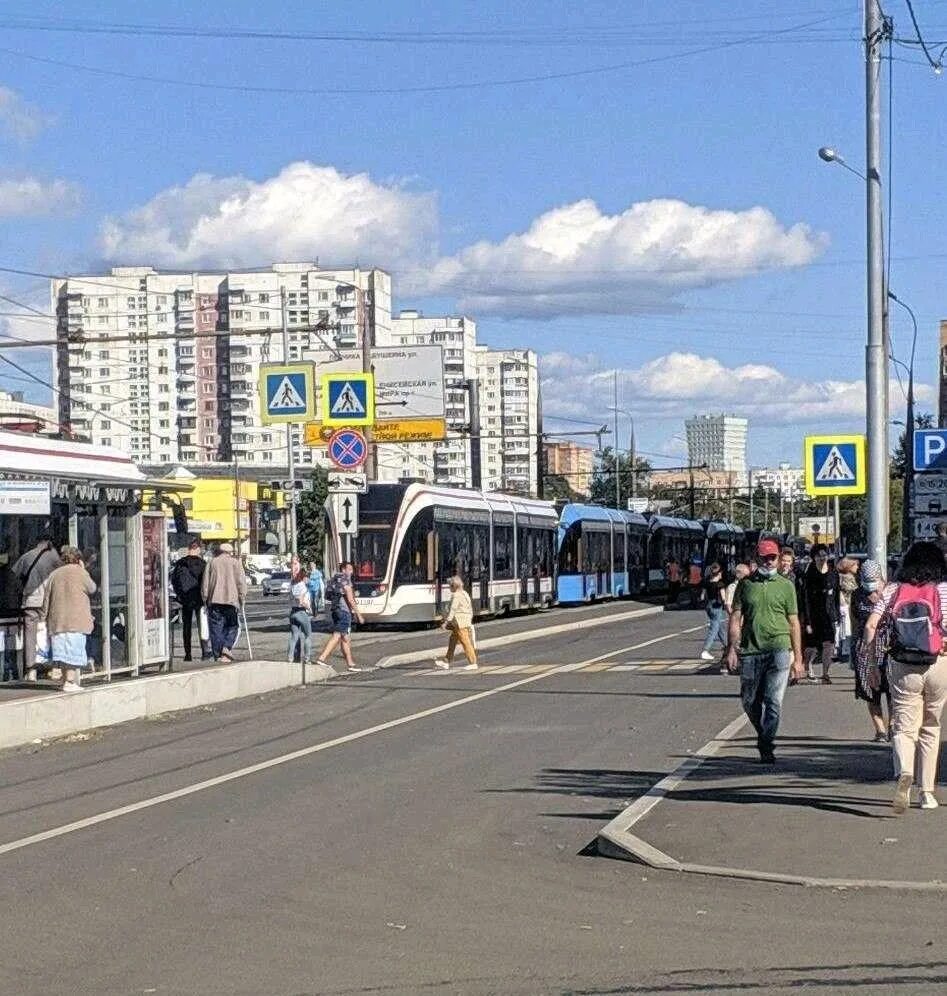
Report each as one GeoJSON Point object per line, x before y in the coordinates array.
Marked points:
{"type": "Point", "coordinates": [32, 571]}
{"type": "Point", "coordinates": [186, 581]}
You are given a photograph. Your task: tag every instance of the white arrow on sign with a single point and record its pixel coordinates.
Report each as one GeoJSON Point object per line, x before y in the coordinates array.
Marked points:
{"type": "Point", "coordinates": [345, 513]}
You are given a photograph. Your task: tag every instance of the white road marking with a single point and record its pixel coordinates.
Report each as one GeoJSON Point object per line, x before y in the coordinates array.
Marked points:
{"type": "Point", "coordinates": [624, 667]}
{"type": "Point", "coordinates": [252, 769]}
{"type": "Point", "coordinates": [688, 666]}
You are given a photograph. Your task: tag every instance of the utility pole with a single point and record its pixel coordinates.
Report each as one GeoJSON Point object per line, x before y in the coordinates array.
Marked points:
{"type": "Point", "coordinates": [876, 364]}
{"type": "Point", "coordinates": [476, 467]}
{"type": "Point", "coordinates": [765, 508]}
{"type": "Point", "coordinates": [749, 493]}
{"type": "Point", "coordinates": [634, 463]}
{"type": "Point", "coordinates": [368, 340]}
{"type": "Point", "coordinates": [615, 451]}
{"type": "Point", "coordinates": [290, 456]}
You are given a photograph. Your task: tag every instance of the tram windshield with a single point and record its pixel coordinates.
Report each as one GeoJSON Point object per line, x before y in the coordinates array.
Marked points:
{"type": "Point", "coordinates": [371, 548]}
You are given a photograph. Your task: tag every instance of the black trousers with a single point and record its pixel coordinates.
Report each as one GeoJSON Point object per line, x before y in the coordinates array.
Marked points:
{"type": "Point", "coordinates": [190, 615]}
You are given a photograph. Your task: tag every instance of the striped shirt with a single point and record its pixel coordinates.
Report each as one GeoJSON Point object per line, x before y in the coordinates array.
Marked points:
{"type": "Point", "coordinates": [890, 590]}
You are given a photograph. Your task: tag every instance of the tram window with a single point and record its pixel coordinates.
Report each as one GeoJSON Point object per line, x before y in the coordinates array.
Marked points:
{"type": "Point", "coordinates": [370, 552]}
{"type": "Point", "coordinates": [569, 551]}
{"type": "Point", "coordinates": [502, 552]}
{"type": "Point", "coordinates": [619, 562]}
{"type": "Point", "coordinates": [480, 551]}
{"type": "Point", "coordinates": [546, 546]}
{"type": "Point", "coordinates": [413, 560]}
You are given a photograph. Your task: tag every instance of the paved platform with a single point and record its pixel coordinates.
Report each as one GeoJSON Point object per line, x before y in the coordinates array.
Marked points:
{"type": "Point", "coordinates": [824, 811]}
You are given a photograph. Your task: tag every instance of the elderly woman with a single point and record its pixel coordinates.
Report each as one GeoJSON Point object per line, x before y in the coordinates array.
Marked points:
{"type": "Point", "coordinates": [871, 586]}
{"type": "Point", "coordinates": [459, 623]}
{"type": "Point", "coordinates": [68, 614]}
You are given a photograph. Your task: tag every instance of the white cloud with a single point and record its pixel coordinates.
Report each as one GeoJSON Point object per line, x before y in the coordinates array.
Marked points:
{"type": "Point", "coordinates": [29, 197]}
{"type": "Point", "coordinates": [577, 260]}
{"type": "Point", "coordinates": [19, 119]}
{"type": "Point", "coordinates": [305, 211]}
{"type": "Point", "coordinates": [678, 385]}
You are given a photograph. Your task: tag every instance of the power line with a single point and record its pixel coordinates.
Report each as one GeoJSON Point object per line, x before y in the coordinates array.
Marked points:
{"type": "Point", "coordinates": [935, 65]}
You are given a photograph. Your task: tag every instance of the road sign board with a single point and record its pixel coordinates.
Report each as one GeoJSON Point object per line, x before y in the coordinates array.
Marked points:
{"type": "Point", "coordinates": [347, 482]}
{"type": "Point", "coordinates": [410, 430]}
{"type": "Point", "coordinates": [345, 513]}
{"type": "Point", "coordinates": [348, 399]}
{"type": "Point", "coordinates": [925, 526]}
{"type": "Point", "coordinates": [287, 392]}
{"type": "Point", "coordinates": [347, 449]}
{"type": "Point", "coordinates": [930, 449]}
{"type": "Point", "coordinates": [835, 465]}
{"type": "Point", "coordinates": [639, 505]}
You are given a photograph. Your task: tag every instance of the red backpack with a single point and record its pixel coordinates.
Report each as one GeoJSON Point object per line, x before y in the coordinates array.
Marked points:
{"type": "Point", "coordinates": [916, 618]}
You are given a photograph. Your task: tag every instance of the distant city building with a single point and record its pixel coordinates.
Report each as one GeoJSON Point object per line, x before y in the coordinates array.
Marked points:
{"type": "Point", "coordinates": [19, 415]}
{"type": "Point", "coordinates": [785, 480]}
{"type": "Point", "coordinates": [719, 442]}
{"type": "Point", "coordinates": [575, 463]}
{"type": "Point", "coordinates": [716, 481]}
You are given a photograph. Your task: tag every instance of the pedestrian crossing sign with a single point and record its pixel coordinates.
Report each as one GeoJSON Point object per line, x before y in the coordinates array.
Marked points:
{"type": "Point", "coordinates": [835, 465]}
{"type": "Point", "coordinates": [348, 399]}
{"type": "Point", "coordinates": [287, 392]}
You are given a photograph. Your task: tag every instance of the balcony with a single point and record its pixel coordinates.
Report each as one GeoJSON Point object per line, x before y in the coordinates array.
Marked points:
{"type": "Point", "coordinates": [239, 351]}
{"type": "Point", "coordinates": [242, 389]}
{"type": "Point", "coordinates": [187, 422]}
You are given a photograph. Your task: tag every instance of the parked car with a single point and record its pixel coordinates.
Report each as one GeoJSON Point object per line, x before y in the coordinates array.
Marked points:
{"type": "Point", "coordinates": [277, 583]}
{"type": "Point", "coordinates": [256, 575]}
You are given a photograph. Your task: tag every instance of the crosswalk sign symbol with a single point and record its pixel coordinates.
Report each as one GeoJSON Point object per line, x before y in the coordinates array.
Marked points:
{"type": "Point", "coordinates": [835, 465]}
{"type": "Point", "coordinates": [348, 399]}
{"type": "Point", "coordinates": [287, 392]}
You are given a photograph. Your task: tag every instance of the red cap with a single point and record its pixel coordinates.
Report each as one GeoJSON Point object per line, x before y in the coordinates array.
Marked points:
{"type": "Point", "coordinates": [767, 548]}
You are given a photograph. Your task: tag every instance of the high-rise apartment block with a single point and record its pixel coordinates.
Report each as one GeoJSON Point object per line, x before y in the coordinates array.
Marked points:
{"type": "Point", "coordinates": [165, 365]}
{"type": "Point", "coordinates": [719, 442]}
{"type": "Point", "coordinates": [785, 480]}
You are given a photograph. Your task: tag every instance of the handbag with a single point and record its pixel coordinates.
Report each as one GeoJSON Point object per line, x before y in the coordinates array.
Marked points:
{"type": "Point", "coordinates": [203, 624]}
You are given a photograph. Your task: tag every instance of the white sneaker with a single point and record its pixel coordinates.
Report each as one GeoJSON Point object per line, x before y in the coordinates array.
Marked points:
{"type": "Point", "coordinates": [928, 801]}
{"type": "Point", "coordinates": [70, 686]}
{"type": "Point", "coordinates": [706, 655]}
{"type": "Point", "coordinates": [471, 667]}
{"type": "Point", "coordinates": [439, 662]}
{"type": "Point", "coordinates": [902, 794]}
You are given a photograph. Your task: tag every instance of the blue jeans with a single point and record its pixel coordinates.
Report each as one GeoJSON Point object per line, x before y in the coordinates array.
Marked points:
{"type": "Point", "coordinates": [300, 633]}
{"type": "Point", "coordinates": [224, 624]}
{"type": "Point", "coordinates": [716, 626]}
{"type": "Point", "coordinates": [763, 680]}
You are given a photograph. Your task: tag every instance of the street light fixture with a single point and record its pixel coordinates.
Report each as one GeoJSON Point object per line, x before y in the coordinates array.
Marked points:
{"type": "Point", "coordinates": [829, 155]}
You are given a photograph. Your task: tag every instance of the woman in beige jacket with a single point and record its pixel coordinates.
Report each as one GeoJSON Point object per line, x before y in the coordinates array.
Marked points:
{"type": "Point", "coordinates": [459, 622]}
{"type": "Point", "coordinates": [68, 612]}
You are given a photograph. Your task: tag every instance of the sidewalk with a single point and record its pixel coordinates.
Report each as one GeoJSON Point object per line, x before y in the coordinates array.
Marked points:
{"type": "Point", "coordinates": [822, 813]}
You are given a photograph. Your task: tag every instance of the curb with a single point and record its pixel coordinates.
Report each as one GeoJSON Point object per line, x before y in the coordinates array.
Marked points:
{"type": "Point", "coordinates": [420, 656]}
{"type": "Point", "coordinates": [615, 839]}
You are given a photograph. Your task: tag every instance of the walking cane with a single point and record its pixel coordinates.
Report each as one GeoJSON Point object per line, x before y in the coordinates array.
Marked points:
{"type": "Point", "coordinates": [246, 628]}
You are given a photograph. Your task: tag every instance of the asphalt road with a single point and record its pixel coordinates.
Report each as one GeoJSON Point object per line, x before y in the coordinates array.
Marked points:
{"type": "Point", "coordinates": [430, 835]}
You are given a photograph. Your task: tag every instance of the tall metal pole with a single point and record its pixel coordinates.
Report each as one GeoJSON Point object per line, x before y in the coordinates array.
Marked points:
{"type": "Point", "coordinates": [749, 493]}
{"type": "Point", "coordinates": [634, 462]}
{"type": "Point", "coordinates": [876, 365]}
{"type": "Point", "coordinates": [838, 528]}
{"type": "Point", "coordinates": [290, 456]}
{"type": "Point", "coordinates": [368, 342]}
{"type": "Point", "coordinates": [615, 452]}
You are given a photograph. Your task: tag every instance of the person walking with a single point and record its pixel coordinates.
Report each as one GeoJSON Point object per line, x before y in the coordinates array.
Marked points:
{"type": "Point", "coordinates": [714, 587]}
{"type": "Point", "coordinates": [914, 613]}
{"type": "Point", "coordinates": [224, 589]}
{"type": "Point", "coordinates": [820, 612]}
{"type": "Point", "coordinates": [316, 585]}
{"type": "Point", "coordinates": [870, 586]}
{"type": "Point", "coordinates": [672, 572]}
{"type": "Point", "coordinates": [300, 617]}
{"type": "Point", "coordinates": [32, 571]}
{"type": "Point", "coordinates": [68, 611]}
{"type": "Point", "coordinates": [765, 645]}
{"type": "Point", "coordinates": [342, 607]}
{"type": "Point", "coordinates": [695, 580]}
{"type": "Point", "coordinates": [459, 623]}
{"type": "Point", "coordinates": [186, 578]}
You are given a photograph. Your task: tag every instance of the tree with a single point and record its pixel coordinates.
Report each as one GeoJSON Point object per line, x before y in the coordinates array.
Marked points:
{"type": "Point", "coordinates": [900, 456]}
{"type": "Point", "coordinates": [603, 478]}
{"type": "Point", "coordinates": [311, 519]}
{"type": "Point", "coordinates": [556, 487]}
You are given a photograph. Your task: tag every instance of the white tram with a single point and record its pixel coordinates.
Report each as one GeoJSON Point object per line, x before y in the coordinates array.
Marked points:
{"type": "Point", "coordinates": [413, 537]}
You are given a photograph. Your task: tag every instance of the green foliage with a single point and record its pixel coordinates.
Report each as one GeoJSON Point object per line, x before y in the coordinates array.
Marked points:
{"type": "Point", "coordinates": [310, 518]}
{"type": "Point", "coordinates": [557, 488]}
{"type": "Point", "coordinates": [603, 478]}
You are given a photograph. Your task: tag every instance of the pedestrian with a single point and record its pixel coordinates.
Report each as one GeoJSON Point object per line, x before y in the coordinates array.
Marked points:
{"type": "Point", "coordinates": [695, 581]}
{"type": "Point", "coordinates": [870, 586]}
{"type": "Point", "coordinates": [740, 572]}
{"type": "Point", "coordinates": [940, 536]}
{"type": "Point", "coordinates": [847, 569]}
{"type": "Point", "coordinates": [342, 606]}
{"type": "Point", "coordinates": [68, 612]}
{"type": "Point", "coordinates": [715, 585]}
{"type": "Point", "coordinates": [186, 578]}
{"type": "Point", "coordinates": [765, 645]}
{"type": "Point", "coordinates": [672, 572]}
{"type": "Point", "coordinates": [32, 571]}
{"type": "Point", "coordinates": [914, 613]}
{"type": "Point", "coordinates": [316, 585]}
{"type": "Point", "coordinates": [224, 589]}
{"type": "Point", "coordinates": [787, 563]}
{"type": "Point", "coordinates": [300, 617]}
{"type": "Point", "coordinates": [459, 623]}
{"type": "Point", "coordinates": [820, 612]}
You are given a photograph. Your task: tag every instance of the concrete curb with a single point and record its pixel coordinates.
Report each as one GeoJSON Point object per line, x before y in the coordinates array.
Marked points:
{"type": "Point", "coordinates": [420, 656]}
{"type": "Point", "coordinates": [615, 839]}
{"type": "Point", "coordinates": [60, 714]}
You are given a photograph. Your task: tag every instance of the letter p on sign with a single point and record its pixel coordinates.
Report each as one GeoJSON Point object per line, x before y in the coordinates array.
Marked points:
{"type": "Point", "coordinates": [930, 449]}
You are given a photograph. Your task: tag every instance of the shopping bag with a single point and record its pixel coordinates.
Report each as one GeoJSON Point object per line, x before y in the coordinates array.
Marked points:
{"type": "Point", "coordinates": [43, 652]}
{"type": "Point", "coordinates": [203, 624]}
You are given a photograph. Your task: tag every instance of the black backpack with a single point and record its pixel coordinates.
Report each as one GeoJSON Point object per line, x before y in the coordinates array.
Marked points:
{"type": "Point", "coordinates": [335, 589]}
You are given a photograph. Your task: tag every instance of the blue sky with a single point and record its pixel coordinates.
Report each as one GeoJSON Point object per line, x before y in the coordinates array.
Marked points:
{"type": "Point", "coordinates": [773, 329]}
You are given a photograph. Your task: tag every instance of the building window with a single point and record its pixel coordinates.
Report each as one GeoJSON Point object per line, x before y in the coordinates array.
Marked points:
{"type": "Point", "coordinates": [162, 319]}
{"type": "Point", "coordinates": [264, 316]}
{"type": "Point", "coordinates": [102, 320]}
{"type": "Point", "coordinates": [103, 302]}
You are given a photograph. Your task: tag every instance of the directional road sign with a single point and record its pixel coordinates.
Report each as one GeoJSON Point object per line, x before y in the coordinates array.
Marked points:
{"type": "Point", "coordinates": [287, 392]}
{"type": "Point", "coordinates": [345, 513]}
{"type": "Point", "coordinates": [347, 449]}
{"type": "Point", "coordinates": [930, 449]}
{"type": "Point", "coordinates": [347, 482]}
{"type": "Point", "coordinates": [835, 465]}
{"type": "Point", "coordinates": [348, 399]}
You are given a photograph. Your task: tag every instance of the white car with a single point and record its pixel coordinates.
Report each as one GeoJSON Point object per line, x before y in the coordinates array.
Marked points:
{"type": "Point", "coordinates": [277, 583]}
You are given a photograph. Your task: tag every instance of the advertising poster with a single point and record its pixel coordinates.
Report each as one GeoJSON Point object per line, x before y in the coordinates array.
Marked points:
{"type": "Point", "coordinates": [154, 587]}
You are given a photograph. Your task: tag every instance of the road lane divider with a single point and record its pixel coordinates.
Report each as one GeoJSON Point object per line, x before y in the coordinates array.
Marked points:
{"type": "Point", "coordinates": [252, 769]}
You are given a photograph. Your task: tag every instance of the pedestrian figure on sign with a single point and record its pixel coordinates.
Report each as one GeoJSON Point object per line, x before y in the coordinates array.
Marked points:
{"type": "Point", "coordinates": [287, 400]}
{"type": "Point", "coordinates": [459, 623]}
{"type": "Point", "coordinates": [347, 401]}
{"type": "Point", "coordinates": [341, 599]}
{"type": "Point", "coordinates": [765, 645]}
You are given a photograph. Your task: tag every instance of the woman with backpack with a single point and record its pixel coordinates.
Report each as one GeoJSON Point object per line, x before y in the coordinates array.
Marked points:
{"type": "Point", "coordinates": [912, 615]}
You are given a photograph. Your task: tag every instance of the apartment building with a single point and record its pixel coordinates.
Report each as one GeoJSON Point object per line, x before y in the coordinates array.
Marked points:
{"type": "Point", "coordinates": [719, 442]}
{"type": "Point", "coordinates": [785, 480]}
{"type": "Point", "coordinates": [165, 365]}
{"type": "Point", "coordinates": [575, 463]}
{"type": "Point", "coordinates": [508, 402]}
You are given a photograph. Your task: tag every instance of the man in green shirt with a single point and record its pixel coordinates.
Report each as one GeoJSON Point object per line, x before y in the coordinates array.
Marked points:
{"type": "Point", "coordinates": [765, 644]}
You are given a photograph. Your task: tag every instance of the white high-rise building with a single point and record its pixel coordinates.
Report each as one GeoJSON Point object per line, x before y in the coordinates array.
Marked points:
{"type": "Point", "coordinates": [508, 401]}
{"type": "Point", "coordinates": [165, 365]}
{"type": "Point", "coordinates": [785, 480]}
{"type": "Point", "coordinates": [719, 441]}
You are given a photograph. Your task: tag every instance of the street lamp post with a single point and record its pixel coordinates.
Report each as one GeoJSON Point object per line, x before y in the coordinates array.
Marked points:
{"type": "Point", "coordinates": [631, 447]}
{"type": "Point", "coordinates": [908, 428]}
